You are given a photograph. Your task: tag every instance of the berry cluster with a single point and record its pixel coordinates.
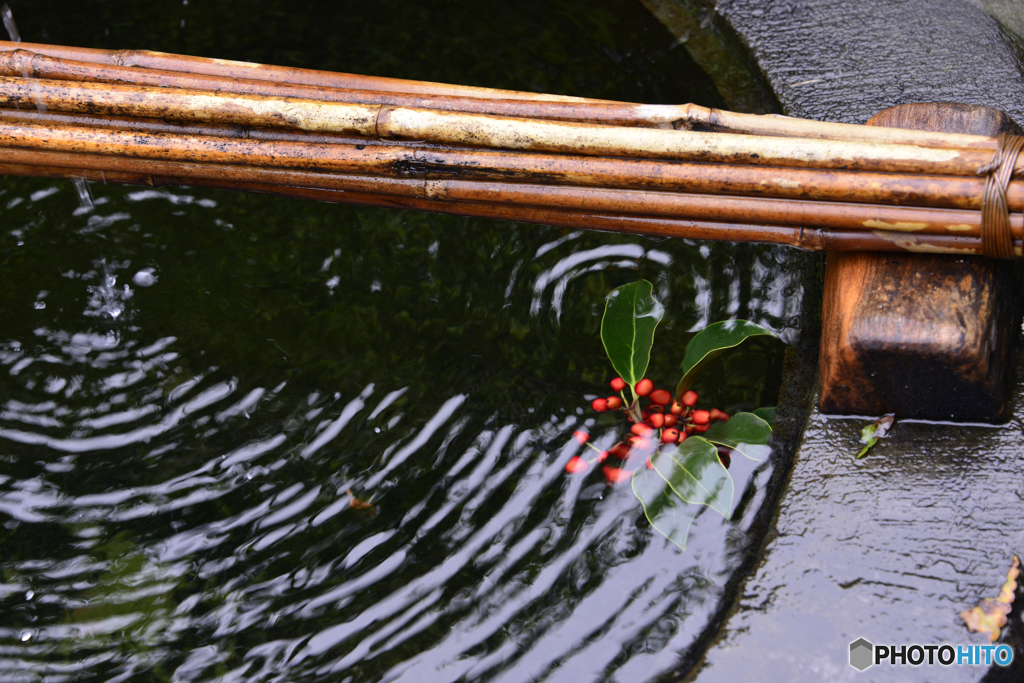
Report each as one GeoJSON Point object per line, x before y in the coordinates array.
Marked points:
{"type": "Point", "coordinates": [660, 421]}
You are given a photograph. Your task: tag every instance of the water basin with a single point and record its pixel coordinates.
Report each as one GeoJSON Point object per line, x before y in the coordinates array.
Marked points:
{"type": "Point", "coordinates": [194, 380]}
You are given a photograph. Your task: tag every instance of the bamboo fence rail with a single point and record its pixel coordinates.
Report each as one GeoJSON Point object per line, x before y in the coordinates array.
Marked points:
{"type": "Point", "coordinates": [684, 171]}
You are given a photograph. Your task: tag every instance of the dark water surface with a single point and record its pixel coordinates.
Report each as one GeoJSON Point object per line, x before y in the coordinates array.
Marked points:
{"type": "Point", "coordinates": [191, 380]}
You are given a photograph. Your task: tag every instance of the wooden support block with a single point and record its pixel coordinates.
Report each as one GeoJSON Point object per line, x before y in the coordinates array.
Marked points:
{"type": "Point", "coordinates": [920, 335]}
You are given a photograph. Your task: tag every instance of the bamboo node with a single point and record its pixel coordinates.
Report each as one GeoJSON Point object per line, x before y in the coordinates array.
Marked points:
{"type": "Point", "coordinates": [376, 121]}
{"type": "Point", "coordinates": [996, 239]}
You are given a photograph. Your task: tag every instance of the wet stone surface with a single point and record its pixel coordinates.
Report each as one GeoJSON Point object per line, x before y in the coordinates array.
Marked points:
{"type": "Point", "coordinates": [892, 547]}
{"type": "Point", "coordinates": [846, 60]}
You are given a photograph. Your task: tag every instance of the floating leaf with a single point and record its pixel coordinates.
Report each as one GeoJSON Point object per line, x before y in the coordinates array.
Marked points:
{"type": "Point", "coordinates": [767, 414]}
{"type": "Point", "coordinates": [627, 329]}
{"type": "Point", "coordinates": [356, 503]}
{"type": "Point", "coordinates": [878, 429]}
{"type": "Point", "coordinates": [743, 432]}
{"type": "Point", "coordinates": [712, 342]}
{"type": "Point", "coordinates": [669, 515]}
{"type": "Point", "coordinates": [990, 615]}
{"type": "Point", "coordinates": [694, 472]}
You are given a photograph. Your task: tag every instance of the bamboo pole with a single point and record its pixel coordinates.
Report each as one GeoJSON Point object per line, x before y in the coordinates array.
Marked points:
{"type": "Point", "coordinates": [820, 239]}
{"type": "Point", "coordinates": [21, 63]}
{"type": "Point", "coordinates": [488, 131]}
{"type": "Point", "coordinates": [826, 215]}
{"type": "Point", "coordinates": [57, 119]}
{"type": "Point", "coordinates": [686, 117]}
{"type": "Point", "coordinates": [440, 151]}
{"type": "Point", "coordinates": [162, 61]}
{"type": "Point", "coordinates": [427, 162]}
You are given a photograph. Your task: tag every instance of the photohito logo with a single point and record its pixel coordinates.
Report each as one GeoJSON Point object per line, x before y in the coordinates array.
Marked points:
{"type": "Point", "coordinates": [864, 654]}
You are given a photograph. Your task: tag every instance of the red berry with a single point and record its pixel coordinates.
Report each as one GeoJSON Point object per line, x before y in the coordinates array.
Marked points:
{"type": "Point", "coordinates": [618, 384]}
{"type": "Point", "coordinates": [717, 414]}
{"type": "Point", "coordinates": [701, 428]}
{"type": "Point", "coordinates": [644, 415]}
{"type": "Point", "coordinates": [670, 436]}
{"type": "Point", "coordinates": [616, 475]}
{"type": "Point", "coordinates": [581, 437]}
{"type": "Point", "coordinates": [656, 420]}
{"type": "Point", "coordinates": [662, 397]}
{"type": "Point", "coordinates": [682, 436]}
{"type": "Point", "coordinates": [602, 456]}
{"type": "Point", "coordinates": [651, 409]}
{"type": "Point", "coordinates": [613, 402]}
{"type": "Point", "coordinates": [575, 464]}
{"type": "Point", "coordinates": [620, 451]}
{"type": "Point", "coordinates": [690, 399]}
{"type": "Point", "coordinates": [688, 429]}
{"type": "Point", "coordinates": [641, 429]}
{"type": "Point", "coordinates": [701, 417]}
{"type": "Point", "coordinates": [649, 465]}
{"type": "Point", "coordinates": [677, 409]}
{"type": "Point", "coordinates": [600, 405]}
{"type": "Point", "coordinates": [644, 387]}
{"type": "Point", "coordinates": [670, 420]}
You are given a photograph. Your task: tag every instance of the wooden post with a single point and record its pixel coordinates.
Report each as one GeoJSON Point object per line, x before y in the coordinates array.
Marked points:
{"type": "Point", "coordinates": [922, 336]}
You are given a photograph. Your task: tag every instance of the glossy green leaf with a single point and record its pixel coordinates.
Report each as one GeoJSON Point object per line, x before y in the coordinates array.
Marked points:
{"type": "Point", "coordinates": [712, 342]}
{"type": "Point", "coordinates": [767, 414]}
{"type": "Point", "coordinates": [745, 433]}
{"type": "Point", "coordinates": [627, 329]}
{"type": "Point", "coordinates": [695, 474]}
{"type": "Point", "coordinates": [670, 516]}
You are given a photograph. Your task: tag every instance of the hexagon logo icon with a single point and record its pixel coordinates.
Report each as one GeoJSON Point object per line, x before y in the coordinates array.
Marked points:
{"type": "Point", "coordinates": [861, 654]}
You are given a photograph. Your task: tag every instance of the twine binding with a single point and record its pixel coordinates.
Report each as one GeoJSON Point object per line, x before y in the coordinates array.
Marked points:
{"type": "Point", "coordinates": [996, 238]}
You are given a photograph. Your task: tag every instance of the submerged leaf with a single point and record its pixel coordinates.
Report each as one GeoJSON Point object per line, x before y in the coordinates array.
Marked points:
{"type": "Point", "coordinates": [356, 503]}
{"type": "Point", "coordinates": [712, 342]}
{"type": "Point", "coordinates": [627, 329]}
{"type": "Point", "coordinates": [744, 432]}
{"type": "Point", "coordinates": [878, 429]}
{"type": "Point", "coordinates": [669, 516]}
{"type": "Point", "coordinates": [694, 472]}
{"type": "Point", "coordinates": [990, 615]}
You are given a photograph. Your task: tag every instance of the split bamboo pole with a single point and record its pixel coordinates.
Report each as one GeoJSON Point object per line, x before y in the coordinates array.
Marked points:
{"type": "Point", "coordinates": [820, 239]}
{"type": "Point", "coordinates": [686, 117]}
{"type": "Point", "coordinates": [488, 131]}
{"type": "Point", "coordinates": [400, 161]}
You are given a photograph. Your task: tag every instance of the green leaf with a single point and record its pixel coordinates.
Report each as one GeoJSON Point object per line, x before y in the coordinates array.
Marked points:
{"type": "Point", "coordinates": [867, 447]}
{"type": "Point", "coordinates": [669, 515]}
{"type": "Point", "coordinates": [878, 429]}
{"type": "Point", "coordinates": [627, 329]}
{"type": "Point", "coordinates": [743, 432]}
{"type": "Point", "coordinates": [712, 342]}
{"type": "Point", "coordinates": [767, 414]}
{"type": "Point", "coordinates": [695, 474]}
